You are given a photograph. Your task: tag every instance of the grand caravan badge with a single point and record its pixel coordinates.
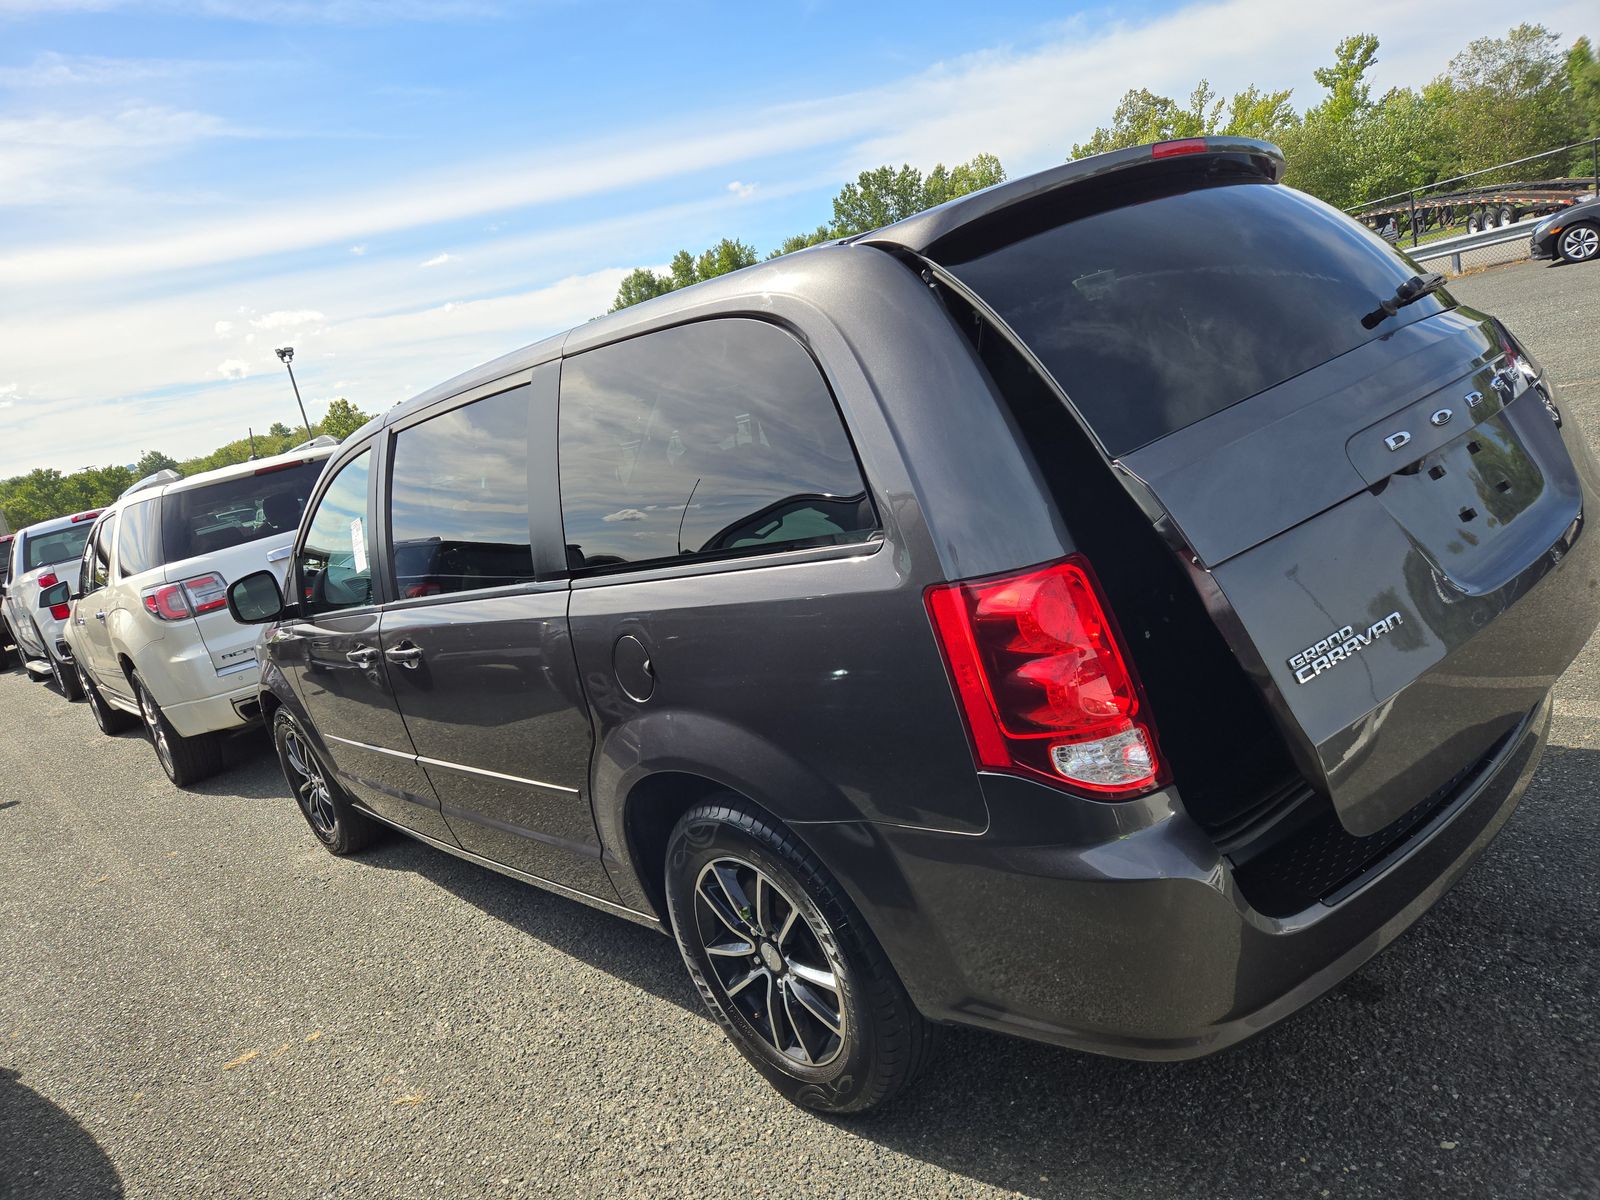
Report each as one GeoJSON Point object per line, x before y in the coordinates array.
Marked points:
{"type": "Point", "coordinates": [1338, 646]}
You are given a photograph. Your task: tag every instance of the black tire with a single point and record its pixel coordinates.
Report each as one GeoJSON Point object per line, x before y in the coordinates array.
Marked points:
{"type": "Point", "coordinates": [66, 679]}
{"type": "Point", "coordinates": [335, 821]}
{"type": "Point", "coordinates": [801, 929]}
{"type": "Point", "coordinates": [1580, 242]}
{"type": "Point", "coordinates": [1475, 221]}
{"type": "Point", "coordinates": [186, 760]}
{"type": "Point", "coordinates": [7, 642]}
{"type": "Point", "coordinates": [111, 721]}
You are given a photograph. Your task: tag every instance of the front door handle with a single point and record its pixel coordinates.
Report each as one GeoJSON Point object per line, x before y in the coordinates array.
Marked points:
{"type": "Point", "coordinates": [407, 654]}
{"type": "Point", "coordinates": [100, 616]}
{"type": "Point", "coordinates": [362, 656]}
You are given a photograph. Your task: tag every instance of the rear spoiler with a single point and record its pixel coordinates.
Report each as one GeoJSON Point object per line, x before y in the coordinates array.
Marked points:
{"type": "Point", "coordinates": [918, 234]}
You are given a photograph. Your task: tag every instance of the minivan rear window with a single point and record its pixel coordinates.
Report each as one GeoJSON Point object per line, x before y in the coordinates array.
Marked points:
{"type": "Point", "coordinates": [231, 512]}
{"type": "Point", "coordinates": [1154, 308]}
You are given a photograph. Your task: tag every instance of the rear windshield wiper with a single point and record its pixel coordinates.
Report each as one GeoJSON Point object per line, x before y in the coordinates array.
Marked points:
{"type": "Point", "coordinates": [1409, 292]}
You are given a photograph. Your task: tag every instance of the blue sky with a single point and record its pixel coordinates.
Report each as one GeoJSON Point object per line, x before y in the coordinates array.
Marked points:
{"type": "Point", "coordinates": [403, 189]}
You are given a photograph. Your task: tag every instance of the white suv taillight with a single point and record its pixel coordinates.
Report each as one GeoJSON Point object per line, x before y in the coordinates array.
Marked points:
{"type": "Point", "coordinates": [188, 598]}
{"type": "Point", "coordinates": [1044, 684]}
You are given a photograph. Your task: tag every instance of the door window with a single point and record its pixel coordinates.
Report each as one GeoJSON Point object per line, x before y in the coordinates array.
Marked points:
{"type": "Point", "coordinates": [97, 555]}
{"type": "Point", "coordinates": [704, 441]}
{"type": "Point", "coordinates": [458, 504]}
{"type": "Point", "coordinates": [334, 564]}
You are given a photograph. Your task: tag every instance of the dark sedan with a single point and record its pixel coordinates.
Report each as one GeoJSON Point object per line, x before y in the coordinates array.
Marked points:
{"type": "Point", "coordinates": [1571, 235]}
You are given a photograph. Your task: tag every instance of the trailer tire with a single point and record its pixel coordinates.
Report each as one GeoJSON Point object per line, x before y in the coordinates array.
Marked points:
{"type": "Point", "coordinates": [1508, 215]}
{"type": "Point", "coordinates": [1475, 221]}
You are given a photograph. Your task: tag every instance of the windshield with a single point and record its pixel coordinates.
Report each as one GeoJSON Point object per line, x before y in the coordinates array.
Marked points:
{"type": "Point", "coordinates": [1155, 308]}
{"type": "Point", "coordinates": [47, 549]}
{"type": "Point", "coordinates": [231, 512]}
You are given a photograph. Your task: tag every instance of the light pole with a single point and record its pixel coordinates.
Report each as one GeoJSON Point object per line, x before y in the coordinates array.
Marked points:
{"type": "Point", "coordinates": [287, 354]}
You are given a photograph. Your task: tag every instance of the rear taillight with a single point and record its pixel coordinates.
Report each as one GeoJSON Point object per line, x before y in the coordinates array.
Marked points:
{"type": "Point", "coordinates": [188, 598]}
{"type": "Point", "coordinates": [1043, 681]}
{"type": "Point", "coordinates": [48, 579]}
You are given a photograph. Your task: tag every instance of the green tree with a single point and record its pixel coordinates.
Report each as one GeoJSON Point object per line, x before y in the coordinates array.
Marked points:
{"type": "Point", "coordinates": [342, 419]}
{"type": "Point", "coordinates": [280, 430]}
{"type": "Point", "coordinates": [152, 461]}
{"type": "Point", "coordinates": [800, 241]}
{"type": "Point", "coordinates": [1509, 97]}
{"type": "Point", "coordinates": [1142, 116]}
{"type": "Point", "coordinates": [1583, 80]}
{"type": "Point", "coordinates": [639, 284]}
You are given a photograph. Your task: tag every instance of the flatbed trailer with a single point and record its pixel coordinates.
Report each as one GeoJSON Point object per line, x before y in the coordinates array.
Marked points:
{"type": "Point", "coordinates": [1479, 208]}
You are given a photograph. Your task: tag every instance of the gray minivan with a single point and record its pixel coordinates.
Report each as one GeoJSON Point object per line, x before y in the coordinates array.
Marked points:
{"type": "Point", "coordinates": [1106, 609]}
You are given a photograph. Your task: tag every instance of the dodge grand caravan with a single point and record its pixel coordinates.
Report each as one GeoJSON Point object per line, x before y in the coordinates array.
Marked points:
{"type": "Point", "coordinates": [1107, 608]}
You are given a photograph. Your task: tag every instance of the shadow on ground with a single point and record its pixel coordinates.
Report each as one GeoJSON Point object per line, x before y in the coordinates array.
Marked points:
{"type": "Point", "coordinates": [44, 1152]}
{"type": "Point", "coordinates": [1459, 1062]}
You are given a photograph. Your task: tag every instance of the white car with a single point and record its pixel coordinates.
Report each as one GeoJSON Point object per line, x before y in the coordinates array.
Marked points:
{"type": "Point", "coordinates": [41, 555]}
{"type": "Point", "coordinates": [150, 633]}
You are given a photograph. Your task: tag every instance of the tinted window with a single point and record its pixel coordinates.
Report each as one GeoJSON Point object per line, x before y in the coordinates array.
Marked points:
{"type": "Point", "coordinates": [1165, 308]}
{"type": "Point", "coordinates": [458, 502]}
{"type": "Point", "coordinates": [706, 440]}
{"type": "Point", "coordinates": [335, 563]}
{"type": "Point", "coordinates": [5, 560]}
{"type": "Point", "coordinates": [231, 512]}
{"type": "Point", "coordinates": [139, 546]}
{"type": "Point", "coordinates": [47, 549]}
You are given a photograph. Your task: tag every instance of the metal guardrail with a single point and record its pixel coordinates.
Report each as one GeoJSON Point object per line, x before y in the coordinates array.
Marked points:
{"type": "Point", "coordinates": [1454, 247]}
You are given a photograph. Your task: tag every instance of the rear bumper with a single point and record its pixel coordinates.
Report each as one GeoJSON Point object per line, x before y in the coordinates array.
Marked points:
{"type": "Point", "coordinates": [1137, 942]}
{"type": "Point", "coordinates": [196, 700]}
{"type": "Point", "coordinates": [232, 709]}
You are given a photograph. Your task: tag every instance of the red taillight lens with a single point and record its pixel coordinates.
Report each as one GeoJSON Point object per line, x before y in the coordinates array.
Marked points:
{"type": "Point", "coordinates": [1043, 681]}
{"type": "Point", "coordinates": [207, 593]}
{"type": "Point", "coordinates": [48, 579]}
{"type": "Point", "coordinates": [1178, 146]}
{"type": "Point", "coordinates": [60, 611]}
{"type": "Point", "coordinates": [190, 598]}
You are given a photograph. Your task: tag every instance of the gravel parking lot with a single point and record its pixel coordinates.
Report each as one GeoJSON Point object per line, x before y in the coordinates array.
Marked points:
{"type": "Point", "coordinates": [196, 1000]}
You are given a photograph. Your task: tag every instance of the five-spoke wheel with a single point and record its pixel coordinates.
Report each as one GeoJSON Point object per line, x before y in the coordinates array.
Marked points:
{"type": "Point", "coordinates": [769, 962]}
{"type": "Point", "coordinates": [786, 964]}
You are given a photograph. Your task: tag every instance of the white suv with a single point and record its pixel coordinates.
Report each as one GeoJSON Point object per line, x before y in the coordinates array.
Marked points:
{"type": "Point", "coordinates": [150, 631]}
{"type": "Point", "coordinates": [41, 555]}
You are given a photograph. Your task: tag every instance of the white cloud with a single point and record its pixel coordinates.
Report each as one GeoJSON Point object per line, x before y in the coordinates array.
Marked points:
{"type": "Point", "coordinates": [742, 190]}
{"type": "Point", "coordinates": [50, 69]}
{"type": "Point", "coordinates": [296, 12]}
{"type": "Point", "coordinates": [358, 250]}
{"type": "Point", "coordinates": [288, 319]}
{"type": "Point", "coordinates": [8, 389]}
{"type": "Point", "coordinates": [224, 328]}
{"type": "Point", "coordinates": [57, 158]}
{"type": "Point", "coordinates": [438, 260]}
{"type": "Point", "coordinates": [233, 368]}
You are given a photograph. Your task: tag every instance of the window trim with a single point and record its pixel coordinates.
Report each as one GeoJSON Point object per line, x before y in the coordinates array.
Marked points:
{"type": "Point", "coordinates": [717, 563]}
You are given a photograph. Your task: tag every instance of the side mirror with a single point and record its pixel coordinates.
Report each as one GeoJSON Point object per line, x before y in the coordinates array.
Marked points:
{"type": "Point", "coordinates": [56, 593]}
{"type": "Point", "coordinates": [256, 599]}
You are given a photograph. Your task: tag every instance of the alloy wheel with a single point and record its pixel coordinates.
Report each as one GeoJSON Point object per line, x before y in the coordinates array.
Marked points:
{"type": "Point", "coordinates": [156, 729]}
{"type": "Point", "coordinates": [97, 706]}
{"type": "Point", "coordinates": [1581, 243]}
{"type": "Point", "coordinates": [310, 786]}
{"type": "Point", "coordinates": [770, 963]}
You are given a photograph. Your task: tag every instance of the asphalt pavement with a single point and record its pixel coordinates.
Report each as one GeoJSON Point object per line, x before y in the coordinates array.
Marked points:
{"type": "Point", "coordinates": [197, 1001]}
